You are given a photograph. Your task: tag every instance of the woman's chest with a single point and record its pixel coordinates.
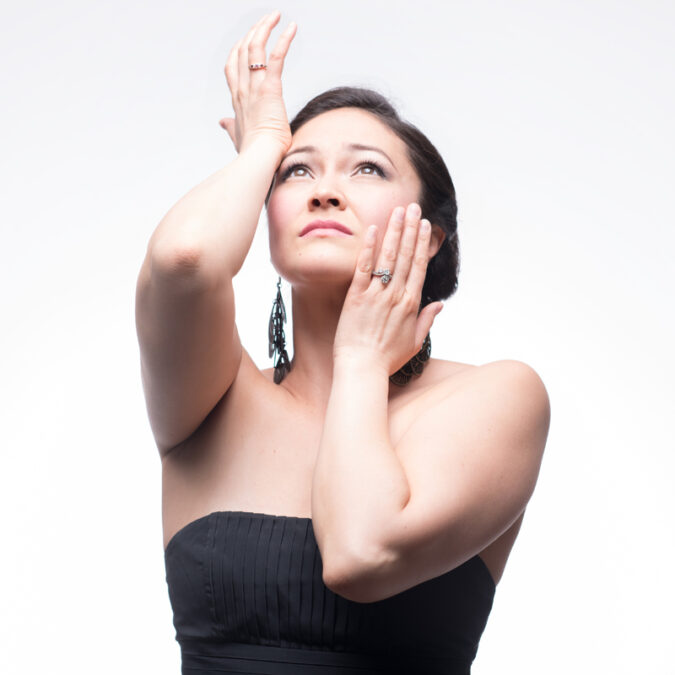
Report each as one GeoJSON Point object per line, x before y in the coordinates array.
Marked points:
{"type": "Point", "coordinates": [254, 453]}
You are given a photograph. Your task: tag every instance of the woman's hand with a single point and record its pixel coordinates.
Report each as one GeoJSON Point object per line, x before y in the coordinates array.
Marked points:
{"type": "Point", "coordinates": [379, 322]}
{"type": "Point", "coordinates": [256, 94]}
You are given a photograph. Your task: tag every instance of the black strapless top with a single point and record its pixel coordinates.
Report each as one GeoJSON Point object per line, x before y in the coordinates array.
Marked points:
{"type": "Point", "coordinates": [248, 596]}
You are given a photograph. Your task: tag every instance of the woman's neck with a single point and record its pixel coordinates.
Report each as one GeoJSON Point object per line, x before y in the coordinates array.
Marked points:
{"type": "Point", "coordinates": [316, 312]}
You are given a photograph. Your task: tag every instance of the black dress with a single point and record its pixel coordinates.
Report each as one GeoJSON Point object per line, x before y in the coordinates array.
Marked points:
{"type": "Point", "coordinates": [248, 596]}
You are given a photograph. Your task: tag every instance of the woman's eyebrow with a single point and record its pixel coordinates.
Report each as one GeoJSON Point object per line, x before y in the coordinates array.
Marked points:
{"type": "Point", "coordinates": [349, 146]}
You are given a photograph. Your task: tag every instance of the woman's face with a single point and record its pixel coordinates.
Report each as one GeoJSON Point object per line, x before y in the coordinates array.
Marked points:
{"type": "Point", "coordinates": [330, 172]}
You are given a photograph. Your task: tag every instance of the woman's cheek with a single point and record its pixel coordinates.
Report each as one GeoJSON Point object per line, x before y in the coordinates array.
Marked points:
{"type": "Point", "coordinates": [275, 213]}
{"type": "Point", "coordinates": [381, 219]}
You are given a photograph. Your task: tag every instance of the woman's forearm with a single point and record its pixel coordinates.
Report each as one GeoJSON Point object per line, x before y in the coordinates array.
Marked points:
{"type": "Point", "coordinates": [212, 226]}
{"type": "Point", "coordinates": [359, 485]}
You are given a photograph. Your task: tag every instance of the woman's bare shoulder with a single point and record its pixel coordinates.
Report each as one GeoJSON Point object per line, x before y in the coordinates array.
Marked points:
{"type": "Point", "coordinates": [442, 372]}
{"type": "Point", "coordinates": [443, 377]}
{"type": "Point", "coordinates": [441, 369]}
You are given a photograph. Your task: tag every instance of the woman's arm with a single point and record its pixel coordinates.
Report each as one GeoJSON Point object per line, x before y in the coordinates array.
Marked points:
{"type": "Point", "coordinates": [185, 311]}
{"type": "Point", "coordinates": [185, 314]}
{"type": "Point", "coordinates": [210, 230]}
{"type": "Point", "coordinates": [388, 518]}
{"type": "Point", "coordinates": [470, 464]}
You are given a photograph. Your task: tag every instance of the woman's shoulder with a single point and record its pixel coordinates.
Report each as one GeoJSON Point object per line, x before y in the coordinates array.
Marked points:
{"type": "Point", "coordinates": [495, 387]}
{"type": "Point", "coordinates": [441, 374]}
{"type": "Point", "coordinates": [445, 376]}
{"type": "Point", "coordinates": [444, 369]}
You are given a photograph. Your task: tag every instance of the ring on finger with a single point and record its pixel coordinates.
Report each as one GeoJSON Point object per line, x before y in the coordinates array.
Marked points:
{"type": "Point", "coordinates": [385, 275]}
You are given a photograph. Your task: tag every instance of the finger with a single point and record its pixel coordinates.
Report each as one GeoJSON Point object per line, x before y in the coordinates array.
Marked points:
{"type": "Point", "coordinates": [392, 236]}
{"type": "Point", "coordinates": [424, 322]}
{"type": "Point", "coordinates": [406, 249]}
{"type": "Point", "coordinates": [256, 47]}
{"type": "Point", "coordinates": [364, 264]}
{"type": "Point", "coordinates": [242, 57]}
{"type": "Point", "coordinates": [275, 63]}
{"type": "Point", "coordinates": [231, 69]}
{"type": "Point", "coordinates": [420, 260]}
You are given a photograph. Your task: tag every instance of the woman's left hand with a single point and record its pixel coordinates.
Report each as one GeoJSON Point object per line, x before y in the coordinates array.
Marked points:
{"type": "Point", "coordinates": [379, 322]}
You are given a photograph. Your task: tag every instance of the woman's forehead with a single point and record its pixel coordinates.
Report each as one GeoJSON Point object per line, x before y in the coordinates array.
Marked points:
{"type": "Point", "coordinates": [346, 125]}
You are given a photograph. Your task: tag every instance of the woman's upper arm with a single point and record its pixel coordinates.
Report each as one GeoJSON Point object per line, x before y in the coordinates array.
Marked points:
{"type": "Point", "coordinates": [472, 461]}
{"type": "Point", "coordinates": [189, 346]}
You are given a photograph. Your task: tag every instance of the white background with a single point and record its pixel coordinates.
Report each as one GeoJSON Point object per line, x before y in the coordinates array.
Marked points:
{"type": "Point", "coordinates": [555, 118]}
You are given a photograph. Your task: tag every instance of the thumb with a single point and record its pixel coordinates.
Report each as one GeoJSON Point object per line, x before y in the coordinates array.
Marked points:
{"type": "Point", "coordinates": [227, 123]}
{"type": "Point", "coordinates": [425, 320]}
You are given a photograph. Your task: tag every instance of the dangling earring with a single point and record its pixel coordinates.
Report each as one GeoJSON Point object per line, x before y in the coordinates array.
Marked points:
{"type": "Point", "coordinates": [277, 340]}
{"type": "Point", "coordinates": [415, 366]}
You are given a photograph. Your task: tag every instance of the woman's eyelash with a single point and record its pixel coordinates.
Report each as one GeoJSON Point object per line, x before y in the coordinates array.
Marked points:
{"type": "Point", "coordinates": [377, 165]}
{"type": "Point", "coordinates": [289, 169]}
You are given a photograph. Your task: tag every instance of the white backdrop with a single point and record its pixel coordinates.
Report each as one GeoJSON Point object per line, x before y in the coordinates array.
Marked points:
{"type": "Point", "coordinates": [555, 119]}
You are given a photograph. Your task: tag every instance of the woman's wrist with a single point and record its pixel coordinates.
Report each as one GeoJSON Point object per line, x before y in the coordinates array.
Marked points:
{"type": "Point", "coordinates": [272, 147]}
{"type": "Point", "coordinates": [359, 362]}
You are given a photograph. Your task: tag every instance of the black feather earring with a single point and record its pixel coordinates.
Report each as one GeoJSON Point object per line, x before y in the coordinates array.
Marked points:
{"type": "Point", "coordinates": [277, 340]}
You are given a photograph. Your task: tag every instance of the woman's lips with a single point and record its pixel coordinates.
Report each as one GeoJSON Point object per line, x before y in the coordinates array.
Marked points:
{"type": "Point", "coordinates": [326, 228]}
{"type": "Point", "coordinates": [326, 232]}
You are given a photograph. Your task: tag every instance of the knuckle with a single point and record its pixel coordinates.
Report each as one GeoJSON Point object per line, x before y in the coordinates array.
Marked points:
{"type": "Point", "coordinates": [267, 87]}
{"type": "Point", "coordinates": [410, 303]}
{"type": "Point", "coordinates": [420, 260]}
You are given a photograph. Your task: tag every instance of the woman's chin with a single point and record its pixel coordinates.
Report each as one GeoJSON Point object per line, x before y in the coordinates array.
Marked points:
{"type": "Point", "coordinates": [319, 272]}
{"type": "Point", "coordinates": [319, 263]}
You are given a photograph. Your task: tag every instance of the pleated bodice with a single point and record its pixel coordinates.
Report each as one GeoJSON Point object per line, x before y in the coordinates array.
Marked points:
{"type": "Point", "coordinates": [248, 596]}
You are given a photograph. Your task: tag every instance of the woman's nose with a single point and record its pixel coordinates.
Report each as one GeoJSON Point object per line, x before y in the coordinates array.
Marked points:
{"type": "Point", "coordinates": [325, 196]}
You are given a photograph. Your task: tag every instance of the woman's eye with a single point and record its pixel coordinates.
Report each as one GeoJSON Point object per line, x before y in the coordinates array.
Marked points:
{"type": "Point", "coordinates": [292, 169]}
{"type": "Point", "coordinates": [373, 169]}
{"type": "Point", "coordinates": [365, 168]}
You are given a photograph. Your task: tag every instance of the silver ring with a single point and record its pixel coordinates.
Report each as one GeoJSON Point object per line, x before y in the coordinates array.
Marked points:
{"type": "Point", "coordinates": [257, 66]}
{"type": "Point", "coordinates": [384, 273]}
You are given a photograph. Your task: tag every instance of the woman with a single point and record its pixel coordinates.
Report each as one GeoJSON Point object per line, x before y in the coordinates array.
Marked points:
{"type": "Point", "coordinates": [352, 509]}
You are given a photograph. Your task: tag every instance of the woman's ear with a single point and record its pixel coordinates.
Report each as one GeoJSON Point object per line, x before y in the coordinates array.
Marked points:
{"type": "Point", "coordinates": [437, 238]}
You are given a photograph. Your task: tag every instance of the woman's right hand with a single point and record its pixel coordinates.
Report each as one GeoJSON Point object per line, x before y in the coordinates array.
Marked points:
{"type": "Point", "coordinates": [256, 94]}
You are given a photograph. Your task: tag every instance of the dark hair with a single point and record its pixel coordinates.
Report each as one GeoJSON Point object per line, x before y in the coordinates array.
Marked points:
{"type": "Point", "coordinates": [437, 201]}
